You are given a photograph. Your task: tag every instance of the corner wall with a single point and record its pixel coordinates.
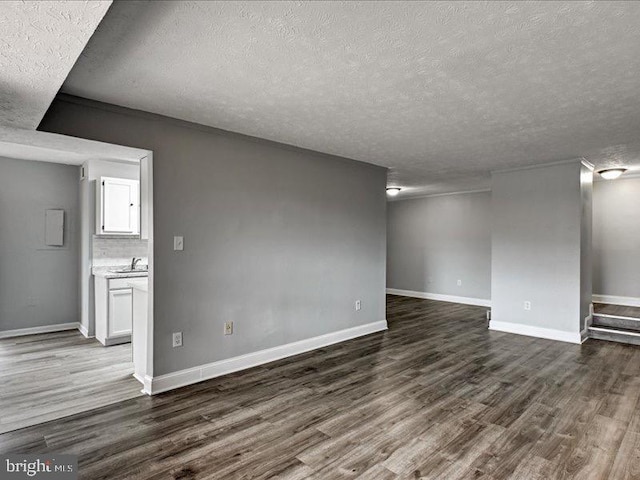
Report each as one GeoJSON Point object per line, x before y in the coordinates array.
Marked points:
{"type": "Point", "coordinates": [279, 240]}
{"type": "Point", "coordinates": [616, 240]}
{"type": "Point", "coordinates": [432, 242]}
{"type": "Point", "coordinates": [38, 283]}
{"type": "Point", "coordinates": [537, 245]}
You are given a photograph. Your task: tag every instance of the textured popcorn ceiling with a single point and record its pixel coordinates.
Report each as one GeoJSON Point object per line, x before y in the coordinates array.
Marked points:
{"type": "Point", "coordinates": [39, 44]}
{"type": "Point", "coordinates": [442, 93]}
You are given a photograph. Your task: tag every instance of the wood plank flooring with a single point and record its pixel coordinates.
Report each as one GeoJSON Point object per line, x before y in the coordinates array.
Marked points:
{"type": "Point", "coordinates": [437, 396]}
{"type": "Point", "coordinates": [53, 375]}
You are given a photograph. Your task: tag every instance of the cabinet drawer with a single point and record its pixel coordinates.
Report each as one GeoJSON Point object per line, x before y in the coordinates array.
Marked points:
{"type": "Point", "coordinates": [116, 283]}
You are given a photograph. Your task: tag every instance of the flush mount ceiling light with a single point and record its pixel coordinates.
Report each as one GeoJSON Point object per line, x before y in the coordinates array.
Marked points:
{"type": "Point", "coordinates": [611, 173]}
{"type": "Point", "coordinates": [393, 191]}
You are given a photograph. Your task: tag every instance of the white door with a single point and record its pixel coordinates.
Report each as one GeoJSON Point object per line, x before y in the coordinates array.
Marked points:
{"type": "Point", "coordinates": [119, 206]}
{"type": "Point", "coordinates": [120, 312]}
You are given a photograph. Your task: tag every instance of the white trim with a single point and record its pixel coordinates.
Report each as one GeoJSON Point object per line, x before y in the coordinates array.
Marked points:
{"type": "Point", "coordinates": [408, 196]}
{"type": "Point", "coordinates": [19, 332]}
{"type": "Point", "coordinates": [625, 333]}
{"type": "Point", "coordinates": [181, 378]}
{"type": "Point", "coordinates": [481, 302]}
{"type": "Point", "coordinates": [618, 317]}
{"type": "Point", "coordinates": [588, 320]}
{"type": "Point", "coordinates": [539, 165]}
{"type": "Point", "coordinates": [540, 332]}
{"type": "Point", "coordinates": [616, 300]}
{"type": "Point", "coordinates": [84, 331]}
{"type": "Point", "coordinates": [146, 385]}
{"type": "Point", "coordinates": [145, 381]}
{"type": "Point", "coordinates": [588, 164]}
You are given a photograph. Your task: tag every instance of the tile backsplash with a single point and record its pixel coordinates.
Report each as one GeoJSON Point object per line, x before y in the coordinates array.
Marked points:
{"type": "Point", "coordinates": [118, 251]}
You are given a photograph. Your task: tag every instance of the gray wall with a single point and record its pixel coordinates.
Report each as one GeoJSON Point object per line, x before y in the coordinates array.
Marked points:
{"type": "Point", "coordinates": [536, 246]}
{"type": "Point", "coordinates": [433, 242]}
{"type": "Point", "coordinates": [38, 284]}
{"type": "Point", "coordinates": [280, 240]}
{"type": "Point", "coordinates": [616, 237]}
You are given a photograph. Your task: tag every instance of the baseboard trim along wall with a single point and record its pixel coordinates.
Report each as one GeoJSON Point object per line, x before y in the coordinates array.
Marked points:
{"type": "Point", "coordinates": [588, 321]}
{"type": "Point", "coordinates": [19, 332]}
{"type": "Point", "coordinates": [83, 330]}
{"type": "Point", "coordinates": [170, 381]}
{"type": "Point", "coordinates": [481, 302]}
{"type": "Point", "coordinates": [616, 300]}
{"type": "Point", "coordinates": [529, 331]}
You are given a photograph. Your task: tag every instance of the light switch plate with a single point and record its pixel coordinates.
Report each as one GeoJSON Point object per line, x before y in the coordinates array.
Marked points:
{"type": "Point", "coordinates": [178, 243]}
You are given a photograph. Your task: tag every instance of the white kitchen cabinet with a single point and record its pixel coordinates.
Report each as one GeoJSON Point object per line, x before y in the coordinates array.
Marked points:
{"type": "Point", "coordinates": [114, 310]}
{"type": "Point", "coordinates": [120, 312]}
{"type": "Point", "coordinates": [118, 206]}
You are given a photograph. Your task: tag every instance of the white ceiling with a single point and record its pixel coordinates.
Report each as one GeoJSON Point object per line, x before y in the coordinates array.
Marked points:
{"type": "Point", "coordinates": [41, 41]}
{"type": "Point", "coordinates": [22, 144]}
{"type": "Point", "coordinates": [440, 92]}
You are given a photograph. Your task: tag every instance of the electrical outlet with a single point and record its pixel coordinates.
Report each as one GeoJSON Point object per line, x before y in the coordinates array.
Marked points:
{"type": "Point", "coordinates": [358, 305]}
{"type": "Point", "coordinates": [459, 283]}
{"type": "Point", "coordinates": [178, 243]}
{"type": "Point", "coordinates": [527, 305]}
{"type": "Point", "coordinates": [228, 328]}
{"type": "Point", "coordinates": [177, 339]}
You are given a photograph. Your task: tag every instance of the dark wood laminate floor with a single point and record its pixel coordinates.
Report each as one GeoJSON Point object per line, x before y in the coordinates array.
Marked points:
{"type": "Point", "coordinates": [620, 310]}
{"type": "Point", "coordinates": [54, 375]}
{"type": "Point", "coordinates": [437, 396]}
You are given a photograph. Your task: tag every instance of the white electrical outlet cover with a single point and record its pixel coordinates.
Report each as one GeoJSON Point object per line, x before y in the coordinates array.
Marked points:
{"type": "Point", "coordinates": [178, 243]}
{"type": "Point", "coordinates": [228, 328]}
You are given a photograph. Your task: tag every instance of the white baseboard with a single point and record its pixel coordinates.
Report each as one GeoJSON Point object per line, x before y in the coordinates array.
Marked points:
{"type": "Point", "coordinates": [145, 381]}
{"type": "Point", "coordinates": [616, 300]}
{"type": "Point", "coordinates": [169, 381]}
{"type": "Point", "coordinates": [84, 331]}
{"type": "Point", "coordinates": [548, 333]}
{"type": "Point", "coordinates": [588, 320]}
{"type": "Point", "coordinates": [438, 296]}
{"type": "Point", "coordinates": [19, 332]}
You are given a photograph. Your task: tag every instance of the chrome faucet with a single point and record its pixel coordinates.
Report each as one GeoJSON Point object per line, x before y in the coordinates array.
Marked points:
{"type": "Point", "coordinates": [134, 261]}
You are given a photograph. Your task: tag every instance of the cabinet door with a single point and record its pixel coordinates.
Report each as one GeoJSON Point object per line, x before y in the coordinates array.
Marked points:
{"type": "Point", "coordinates": [119, 206]}
{"type": "Point", "coordinates": [120, 312]}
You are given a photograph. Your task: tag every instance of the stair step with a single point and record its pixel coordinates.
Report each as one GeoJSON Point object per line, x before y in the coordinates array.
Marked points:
{"type": "Point", "coordinates": [616, 321]}
{"type": "Point", "coordinates": [614, 335]}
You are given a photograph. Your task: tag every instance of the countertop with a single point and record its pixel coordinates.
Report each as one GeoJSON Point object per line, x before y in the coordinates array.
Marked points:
{"type": "Point", "coordinates": [108, 272]}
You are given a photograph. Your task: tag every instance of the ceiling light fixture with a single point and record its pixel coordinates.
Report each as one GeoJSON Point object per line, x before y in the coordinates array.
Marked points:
{"type": "Point", "coordinates": [393, 191]}
{"type": "Point", "coordinates": [611, 173]}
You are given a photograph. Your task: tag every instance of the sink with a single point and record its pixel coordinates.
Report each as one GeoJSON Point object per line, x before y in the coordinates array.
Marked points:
{"type": "Point", "coordinates": [130, 270]}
